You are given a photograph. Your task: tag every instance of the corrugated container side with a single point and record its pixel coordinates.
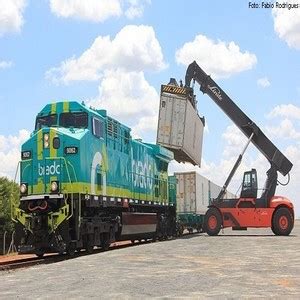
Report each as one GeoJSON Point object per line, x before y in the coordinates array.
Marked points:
{"type": "Point", "coordinates": [202, 187]}
{"type": "Point", "coordinates": [193, 134]}
{"type": "Point", "coordinates": [180, 128]}
{"type": "Point", "coordinates": [214, 190]}
{"type": "Point", "coordinates": [192, 191]}
{"type": "Point", "coordinates": [171, 121]}
{"type": "Point", "coordinates": [187, 193]}
{"type": "Point", "coordinates": [195, 192]}
{"type": "Point", "coordinates": [180, 193]}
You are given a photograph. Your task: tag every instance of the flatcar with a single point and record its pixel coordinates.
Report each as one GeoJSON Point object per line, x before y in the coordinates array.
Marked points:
{"type": "Point", "coordinates": [85, 182]}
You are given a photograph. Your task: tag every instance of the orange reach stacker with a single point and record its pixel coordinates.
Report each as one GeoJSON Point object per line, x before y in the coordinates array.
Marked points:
{"type": "Point", "coordinates": [272, 211]}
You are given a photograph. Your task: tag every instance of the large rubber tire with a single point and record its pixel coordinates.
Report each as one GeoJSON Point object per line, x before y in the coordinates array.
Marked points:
{"type": "Point", "coordinates": [213, 221]}
{"type": "Point", "coordinates": [282, 221]}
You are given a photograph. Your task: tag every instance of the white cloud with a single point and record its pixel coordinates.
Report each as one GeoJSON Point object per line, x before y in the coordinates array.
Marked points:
{"type": "Point", "coordinates": [285, 110]}
{"type": "Point", "coordinates": [97, 10]}
{"type": "Point", "coordinates": [129, 98]}
{"type": "Point", "coordinates": [263, 82]}
{"type": "Point", "coordinates": [5, 64]}
{"type": "Point", "coordinates": [287, 117]}
{"type": "Point", "coordinates": [218, 58]}
{"type": "Point", "coordinates": [287, 24]}
{"type": "Point", "coordinates": [284, 130]}
{"type": "Point", "coordinates": [10, 152]}
{"type": "Point", "coordinates": [136, 8]}
{"type": "Point", "coordinates": [92, 10]}
{"type": "Point", "coordinates": [11, 15]}
{"type": "Point", "coordinates": [235, 139]}
{"type": "Point", "coordinates": [134, 48]}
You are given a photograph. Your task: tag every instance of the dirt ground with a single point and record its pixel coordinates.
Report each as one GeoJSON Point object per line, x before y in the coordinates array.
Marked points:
{"type": "Point", "coordinates": [246, 264]}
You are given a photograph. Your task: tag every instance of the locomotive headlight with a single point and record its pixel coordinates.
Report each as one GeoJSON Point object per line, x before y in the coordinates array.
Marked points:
{"type": "Point", "coordinates": [46, 140]}
{"type": "Point", "coordinates": [54, 186]}
{"type": "Point", "coordinates": [23, 188]}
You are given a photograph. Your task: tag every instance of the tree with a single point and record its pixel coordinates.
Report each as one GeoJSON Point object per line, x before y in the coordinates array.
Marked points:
{"type": "Point", "coordinates": [8, 191]}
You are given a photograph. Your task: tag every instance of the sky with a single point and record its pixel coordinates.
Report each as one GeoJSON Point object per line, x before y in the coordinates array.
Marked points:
{"type": "Point", "coordinates": [115, 54]}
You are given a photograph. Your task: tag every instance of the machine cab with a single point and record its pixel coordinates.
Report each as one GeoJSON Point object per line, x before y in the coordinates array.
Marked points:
{"type": "Point", "coordinates": [249, 186]}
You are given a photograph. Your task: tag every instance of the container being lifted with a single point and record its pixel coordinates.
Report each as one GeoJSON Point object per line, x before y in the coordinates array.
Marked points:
{"type": "Point", "coordinates": [180, 128]}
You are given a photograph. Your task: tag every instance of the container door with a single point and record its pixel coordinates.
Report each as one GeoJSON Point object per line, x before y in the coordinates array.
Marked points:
{"type": "Point", "coordinates": [180, 193]}
{"type": "Point", "coordinates": [187, 193]}
{"type": "Point", "coordinates": [193, 192]}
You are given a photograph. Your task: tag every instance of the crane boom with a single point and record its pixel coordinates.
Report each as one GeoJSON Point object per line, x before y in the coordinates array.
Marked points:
{"type": "Point", "coordinates": [207, 85]}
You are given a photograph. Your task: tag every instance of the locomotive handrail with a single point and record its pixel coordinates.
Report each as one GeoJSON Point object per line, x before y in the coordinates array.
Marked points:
{"type": "Point", "coordinates": [73, 170]}
{"type": "Point", "coordinates": [69, 177]}
{"type": "Point", "coordinates": [27, 160]}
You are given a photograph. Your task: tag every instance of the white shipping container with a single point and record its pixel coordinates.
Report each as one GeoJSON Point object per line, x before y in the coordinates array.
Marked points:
{"type": "Point", "coordinates": [214, 190]}
{"type": "Point", "coordinates": [192, 193]}
{"type": "Point", "coordinates": [180, 128]}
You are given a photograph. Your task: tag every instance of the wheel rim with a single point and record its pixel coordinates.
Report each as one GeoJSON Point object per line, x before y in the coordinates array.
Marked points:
{"type": "Point", "coordinates": [283, 222]}
{"type": "Point", "coordinates": [212, 222]}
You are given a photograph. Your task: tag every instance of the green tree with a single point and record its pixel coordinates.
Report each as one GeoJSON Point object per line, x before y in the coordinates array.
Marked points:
{"type": "Point", "coordinates": [8, 190]}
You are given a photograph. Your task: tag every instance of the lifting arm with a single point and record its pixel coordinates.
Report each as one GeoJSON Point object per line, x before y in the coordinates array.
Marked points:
{"type": "Point", "coordinates": [239, 118]}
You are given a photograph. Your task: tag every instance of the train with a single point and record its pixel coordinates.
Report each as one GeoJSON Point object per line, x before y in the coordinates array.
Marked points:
{"type": "Point", "coordinates": [85, 183]}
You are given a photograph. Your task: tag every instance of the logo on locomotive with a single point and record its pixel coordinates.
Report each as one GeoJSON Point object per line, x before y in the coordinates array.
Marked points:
{"type": "Point", "coordinates": [142, 174]}
{"type": "Point", "coordinates": [53, 169]}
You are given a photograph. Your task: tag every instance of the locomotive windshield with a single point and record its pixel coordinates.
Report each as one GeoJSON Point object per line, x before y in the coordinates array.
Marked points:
{"type": "Point", "coordinates": [76, 120]}
{"type": "Point", "coordinates": [46, 121]}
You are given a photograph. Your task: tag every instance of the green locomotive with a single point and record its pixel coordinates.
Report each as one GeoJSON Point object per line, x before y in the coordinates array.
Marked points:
{"type": "Point", "coordinates": [85, 182]}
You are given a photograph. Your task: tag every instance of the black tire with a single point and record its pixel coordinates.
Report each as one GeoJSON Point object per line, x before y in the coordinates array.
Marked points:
{"type": "Point", "coordinates": [282, 221]}
{"type": "Point", "coordinates": [213, 221]}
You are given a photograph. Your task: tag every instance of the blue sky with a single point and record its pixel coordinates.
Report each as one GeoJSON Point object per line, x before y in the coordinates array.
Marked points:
{"type": "Point", "coordinates": [37, 38]}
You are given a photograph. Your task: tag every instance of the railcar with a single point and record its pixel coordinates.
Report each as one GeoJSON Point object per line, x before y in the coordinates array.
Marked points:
{"type": "Point", "coordinates": [191, 194]}
{"type": "Point", "coordinates": [85, 182]}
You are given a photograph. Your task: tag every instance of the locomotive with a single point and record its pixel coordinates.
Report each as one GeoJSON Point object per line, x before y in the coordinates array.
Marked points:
{"type": "Point", "coordinates": [85, 182]}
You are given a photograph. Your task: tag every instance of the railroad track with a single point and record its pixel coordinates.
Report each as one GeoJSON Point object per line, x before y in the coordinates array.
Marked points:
{"type": "Point", "coordinates": [28, 262]}
{"type": "Point", "coordinates": [53, 258]}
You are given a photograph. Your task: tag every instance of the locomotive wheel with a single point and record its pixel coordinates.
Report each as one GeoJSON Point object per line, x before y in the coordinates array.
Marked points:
{"type": "Point", "coordinates": [39, 253]}
{"type": "Point", "coordinates": [89, 247]}
{"type": "Point", "coordinates": [213, 221]}
{"type": "Point", "coordinates": [71, 249]}
{"type": "Point", "coordinates": [105, 243]}
{"type": "Point", "coordinates": [282, 221]}
{"type": "Point", "coordinates": [199, 228]}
